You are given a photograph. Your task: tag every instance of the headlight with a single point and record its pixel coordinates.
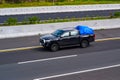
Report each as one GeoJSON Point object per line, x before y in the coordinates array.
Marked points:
{"type": "Point", "coordinates": [43, 41]}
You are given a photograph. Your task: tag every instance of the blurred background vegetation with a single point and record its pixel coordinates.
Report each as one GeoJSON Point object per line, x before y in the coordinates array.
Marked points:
{"type": "Point", "coordinates": [25, 3]}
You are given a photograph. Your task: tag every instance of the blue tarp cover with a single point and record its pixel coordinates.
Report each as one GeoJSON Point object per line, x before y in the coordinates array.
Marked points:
{"type": "Point", "coordinates": [84, 30]}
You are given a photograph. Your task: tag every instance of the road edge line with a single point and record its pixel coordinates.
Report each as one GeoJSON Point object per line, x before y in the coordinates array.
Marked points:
{"type": "Point", "coordinates": [18, 49]}
{"type": "Point", "coordinates": [106, 39]}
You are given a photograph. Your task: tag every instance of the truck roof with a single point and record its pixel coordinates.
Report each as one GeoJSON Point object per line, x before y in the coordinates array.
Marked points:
{"type": "Point", "coordinates": [68, 29]}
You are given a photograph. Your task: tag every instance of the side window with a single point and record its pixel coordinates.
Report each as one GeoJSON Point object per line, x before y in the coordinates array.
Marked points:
{"type": "Point", "coordinates": [74, 33]}
{"type": "Point", "coordinates": [66, 34]}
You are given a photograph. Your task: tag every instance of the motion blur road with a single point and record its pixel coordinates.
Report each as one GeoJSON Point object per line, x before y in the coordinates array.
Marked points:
{"type": "Point", "coordinates": [38, 63]}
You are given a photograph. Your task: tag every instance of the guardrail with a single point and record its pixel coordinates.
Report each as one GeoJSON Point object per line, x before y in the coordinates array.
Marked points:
{"type": "Point", "coordinates": [54, 9]}
{"type": "Point", "coordinates": [28, 30]}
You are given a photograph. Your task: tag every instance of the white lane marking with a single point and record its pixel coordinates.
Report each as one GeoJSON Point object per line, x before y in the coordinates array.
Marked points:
{"type": "Point", "coordinates": [78, 72]}
{"type": "Point", "coordinates": [62, 57]}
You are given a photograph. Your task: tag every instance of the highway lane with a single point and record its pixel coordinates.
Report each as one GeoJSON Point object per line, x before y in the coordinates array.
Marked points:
{"type": "Point", "coordinates": [62, 15]}
{"type": "Point", "coordinates": [34, 40]}
{"type": "Point", "coordinates": [40, 53]}
{"type": "Point", "coordinates": [106, 74]}
{"type": "Point", "coordinates": [80, 62]}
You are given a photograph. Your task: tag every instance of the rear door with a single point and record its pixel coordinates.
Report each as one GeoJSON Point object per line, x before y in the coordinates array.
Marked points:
{"type": "Point", "coordinates": [74, 37]}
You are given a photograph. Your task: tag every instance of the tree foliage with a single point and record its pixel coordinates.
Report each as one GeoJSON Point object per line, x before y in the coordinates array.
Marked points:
{"type": "Point", "coordinates": [2, 1]}
{"type": "Point", "coordinates": [20, 1]}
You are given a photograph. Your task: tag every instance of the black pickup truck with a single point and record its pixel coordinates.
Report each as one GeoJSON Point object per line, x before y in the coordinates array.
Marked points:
{"type": "Point", "coordinates": [66, 37]}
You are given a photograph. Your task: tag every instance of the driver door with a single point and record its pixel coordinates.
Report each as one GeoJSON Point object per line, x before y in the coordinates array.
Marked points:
{"type": "Point", "coordinates": [65, 39]}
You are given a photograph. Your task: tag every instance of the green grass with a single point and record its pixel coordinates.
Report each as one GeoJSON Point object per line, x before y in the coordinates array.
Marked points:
{"type": "Point", "coordinates": [66, 2]}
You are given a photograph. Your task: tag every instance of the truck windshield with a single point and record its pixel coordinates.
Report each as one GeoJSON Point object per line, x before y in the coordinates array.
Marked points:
{"type": "Point", "coordinates": [58, 33]}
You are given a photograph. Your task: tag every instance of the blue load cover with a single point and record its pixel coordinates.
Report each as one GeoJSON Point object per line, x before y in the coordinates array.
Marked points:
{"type": "Point", "coordinates": [84, 30]}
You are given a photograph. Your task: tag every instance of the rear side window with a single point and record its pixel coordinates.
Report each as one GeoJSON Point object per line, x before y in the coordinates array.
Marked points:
{"type": "Point", "coordinates": [74, 33]}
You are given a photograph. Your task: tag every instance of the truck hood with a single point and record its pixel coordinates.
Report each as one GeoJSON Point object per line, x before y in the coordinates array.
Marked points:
{"type": "Point", "coordinates": [48, 37]}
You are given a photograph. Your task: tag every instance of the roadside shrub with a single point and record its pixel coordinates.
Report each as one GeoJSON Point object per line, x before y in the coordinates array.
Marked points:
{"type": "Point", "coordinates": [25, 21]}
{"type": "Point", "coordinates": [33, 20]}
{"type": "Point", "coordinates": [117, 14]}
{"type": "Point", "coordinates": [11, 21]}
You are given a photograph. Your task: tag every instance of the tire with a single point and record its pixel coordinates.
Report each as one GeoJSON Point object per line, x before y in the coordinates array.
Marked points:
{"type": "Point", "coordinates": [84, 43]}
{"type": "Point", "coordinates": [54, 47]}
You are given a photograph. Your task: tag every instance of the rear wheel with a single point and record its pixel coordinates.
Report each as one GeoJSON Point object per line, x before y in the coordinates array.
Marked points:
{"type": "Point", "coordinates": [54, 47]}
{"type": "Point", "coordinates": [84, 43]}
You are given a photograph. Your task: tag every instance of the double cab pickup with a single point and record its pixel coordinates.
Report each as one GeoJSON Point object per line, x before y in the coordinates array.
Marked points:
{"type": "Point", "coordinates": [67, 37]}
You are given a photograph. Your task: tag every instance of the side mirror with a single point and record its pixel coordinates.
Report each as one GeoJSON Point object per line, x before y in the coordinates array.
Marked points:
{"type": "Point", "coordinates": [61, 36]}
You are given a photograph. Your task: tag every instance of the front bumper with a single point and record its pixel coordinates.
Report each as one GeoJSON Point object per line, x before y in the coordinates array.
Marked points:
{"type": "Point", "coordinates": [44, 44]}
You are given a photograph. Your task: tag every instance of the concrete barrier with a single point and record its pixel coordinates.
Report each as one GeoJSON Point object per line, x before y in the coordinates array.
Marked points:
{"type": "Point", "coordinates": [28, 30]}
{"type": "Point", "coordinates": [54, 9]}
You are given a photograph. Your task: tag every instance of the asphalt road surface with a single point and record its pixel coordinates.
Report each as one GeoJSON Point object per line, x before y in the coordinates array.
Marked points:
{"type": "Point", "coordinates": [20, 64]}
{"type": "Point", "coordinates": [107, 74]}
{"type": "Point", "coordinates": [63, 15]}
{"type": "Point", "coordinates": [37, 63]}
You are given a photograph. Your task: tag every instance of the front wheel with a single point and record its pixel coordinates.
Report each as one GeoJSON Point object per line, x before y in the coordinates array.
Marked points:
{"type": "Point", "coordinates": [84, 43]}
{"type": "Point", "coordinates": [54, 47]}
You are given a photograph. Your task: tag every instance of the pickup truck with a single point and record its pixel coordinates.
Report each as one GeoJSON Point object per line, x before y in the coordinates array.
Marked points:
{"type": "Point", "coordinates": [79, 35]}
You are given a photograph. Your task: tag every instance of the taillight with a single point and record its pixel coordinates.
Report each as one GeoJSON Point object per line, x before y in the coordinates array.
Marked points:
{"type": "Point", "coordinates": [94, 36]}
